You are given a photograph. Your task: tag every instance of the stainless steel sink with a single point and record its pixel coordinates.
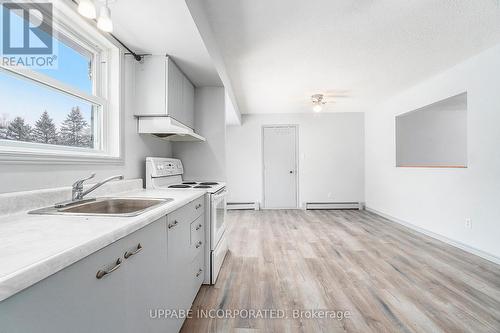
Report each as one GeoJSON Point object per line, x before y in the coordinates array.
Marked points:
{"type": "Point", "coordinates": [105, 207]}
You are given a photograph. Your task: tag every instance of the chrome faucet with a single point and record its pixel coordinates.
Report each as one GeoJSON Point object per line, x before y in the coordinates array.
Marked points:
{"type": "Point", "coordinates": [77, 188]}
{"type": "Point", "coordinates": [78, 193]}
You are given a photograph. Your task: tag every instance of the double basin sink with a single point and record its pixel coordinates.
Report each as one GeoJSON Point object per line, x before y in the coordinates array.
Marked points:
{"type": "Point", "coordinates": [123, 207]}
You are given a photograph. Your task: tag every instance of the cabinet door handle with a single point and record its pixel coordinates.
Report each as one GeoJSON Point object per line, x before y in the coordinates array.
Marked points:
{"type": "Point", "coordinates": [199, 272]}
{"type": "Point", "coordinates": [199, 244]}
{"type": "Point", "coordinates": [173, 224]}
{"type": "Point", "coordinates": [129, 254]}
{"type": "Point", "coordinates": [197, 206]}
{"type": "Point", "coordinates": [102, 273]}
{"type": "Point", "coordinates": [198, 227]}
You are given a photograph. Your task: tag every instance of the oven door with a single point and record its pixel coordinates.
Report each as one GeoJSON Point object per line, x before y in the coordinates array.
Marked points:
{"type": "Point", "coordinates": [218, 217]}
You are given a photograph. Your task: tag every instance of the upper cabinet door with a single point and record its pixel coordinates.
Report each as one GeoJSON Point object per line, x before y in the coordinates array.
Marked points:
{"type": "Point", "coordinates": [180, 95]}
{"type": "Point", "coordinates": [150, 86]}
{"type": "Point", "coordinates": [174, 91]}
{"type": "Point", "coordinates": [163, 90]}
{"type": "Point", "coordinates": [188, 102]}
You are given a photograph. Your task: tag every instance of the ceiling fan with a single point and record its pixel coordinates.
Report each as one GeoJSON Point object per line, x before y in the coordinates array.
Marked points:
{"type": "Point", "coordinates": [318, 100]}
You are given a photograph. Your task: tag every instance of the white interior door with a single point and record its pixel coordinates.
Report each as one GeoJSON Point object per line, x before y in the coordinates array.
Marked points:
{"type": "Point", "coordinates": [280, 166]}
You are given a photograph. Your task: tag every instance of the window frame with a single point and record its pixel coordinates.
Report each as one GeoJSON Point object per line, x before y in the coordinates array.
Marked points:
{"type": "Point", "coordinates": [106, 93]}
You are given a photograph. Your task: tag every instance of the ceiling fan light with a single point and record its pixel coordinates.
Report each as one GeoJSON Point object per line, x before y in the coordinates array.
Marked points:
{"type": "Point", "coordinates": [104, 21]}
{"type": "Point", "coordinates": [87, 9]}
{"type": "Point", "coordinates": [318, 101]}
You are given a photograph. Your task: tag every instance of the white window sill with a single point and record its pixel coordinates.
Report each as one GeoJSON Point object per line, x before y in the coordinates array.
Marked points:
{"type": "Point", "coordinates": [57, 158]}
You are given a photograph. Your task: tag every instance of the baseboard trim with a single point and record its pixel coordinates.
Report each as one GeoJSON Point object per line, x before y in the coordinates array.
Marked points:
{"type": "Point", "coordinates": [332, 205]}
{"type": "Point", "coordinates": [444, 239]}
{"type": "Point", "coordinates": [242, 206]}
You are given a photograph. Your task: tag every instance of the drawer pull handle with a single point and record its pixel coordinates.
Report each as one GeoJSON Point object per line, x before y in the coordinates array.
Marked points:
{"type": "Point", "coordinates": [102, 273]}
{"type": "Point", "coordinates": [197, 206]}
{"type": "Point", "coordinates": [129, 254]}
{"type": "Point", "coordinates": [199, 244]}
{"type": "Point", "coordinates": [173, 224]}
{"type": "Point", "coordinates": [199, 272]}
{"type": "Point", "coordinates": [198, 227]}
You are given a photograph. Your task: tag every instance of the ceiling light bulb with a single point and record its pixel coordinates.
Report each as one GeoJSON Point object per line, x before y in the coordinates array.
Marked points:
{"type": "Point", "coordinates": [104, 21]}
{"type": "Point", "coordinates": [86, 8]}
{"type": "Point", "coordinates": [317, 108]}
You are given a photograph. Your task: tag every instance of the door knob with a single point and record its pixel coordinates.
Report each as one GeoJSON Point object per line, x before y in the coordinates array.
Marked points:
{"type": "Point", "coordinates": [291, 171]}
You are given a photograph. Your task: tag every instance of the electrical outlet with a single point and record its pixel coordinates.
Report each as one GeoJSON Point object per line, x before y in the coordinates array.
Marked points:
{"type": "Point", "coordinates": [468, 223]}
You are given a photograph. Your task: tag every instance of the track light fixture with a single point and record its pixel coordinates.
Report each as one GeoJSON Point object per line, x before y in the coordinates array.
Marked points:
{"type": "Point", "coordinates": [87, 8]}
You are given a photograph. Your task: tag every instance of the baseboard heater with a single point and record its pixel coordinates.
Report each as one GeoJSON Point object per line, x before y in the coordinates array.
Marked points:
{"type": "Point", "coordinates": [334, 205]}
{"type": "Point", "coordinates": [242, 205]}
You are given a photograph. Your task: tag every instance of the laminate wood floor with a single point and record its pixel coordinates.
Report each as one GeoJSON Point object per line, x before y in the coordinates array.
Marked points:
{"type": "Point", "coordinates": [389, 278]}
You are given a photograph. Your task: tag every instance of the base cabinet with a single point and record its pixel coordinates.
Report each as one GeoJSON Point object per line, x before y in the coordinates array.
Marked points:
{"type": "Point", "coordinates": [149, 270]}
{"type": "Point", "coordinates": [178, 241]}
{"type": "Point", "coordinates": [73, 299]}
{"type": "Point", "coordinates": [69, 301]}
{"type": "Point", "coordinates": [182, 269]}
{"type": "Point", "coordinates": [146, 276]}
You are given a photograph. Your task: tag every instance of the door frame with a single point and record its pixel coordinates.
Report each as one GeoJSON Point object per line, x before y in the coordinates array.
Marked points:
{"type": "Point", "coordinates": [297, 197]}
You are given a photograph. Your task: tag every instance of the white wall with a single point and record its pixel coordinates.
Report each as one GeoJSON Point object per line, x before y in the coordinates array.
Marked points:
{"type": "Point", "coordinates": [36, 176]}
{"type": "Point", "coordinates": [206, 160]}
{"type": "Point", "coordinates": [331, 156]}
{"type": "Point", "coordinates": [439, 200]}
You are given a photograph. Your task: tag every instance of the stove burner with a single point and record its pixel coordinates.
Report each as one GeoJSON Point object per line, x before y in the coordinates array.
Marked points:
{"type": "Point", "coordinates": [203, 186]}
{"type": "Point", "coordinates": [209, 183]}
{"type": "Point", "coordinates": [179, 186]}
{"type": "Point", "coordinates": [190, 183]}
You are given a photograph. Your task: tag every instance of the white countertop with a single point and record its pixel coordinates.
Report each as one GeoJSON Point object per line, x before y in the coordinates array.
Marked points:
{"type": "Point", "coordinates": [33, 247]}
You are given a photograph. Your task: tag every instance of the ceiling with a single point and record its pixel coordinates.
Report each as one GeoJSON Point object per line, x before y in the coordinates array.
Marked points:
{"type": "Point", "coordinates": [165, 27]}
{"type": "Point", "coordinates": [278, 53]}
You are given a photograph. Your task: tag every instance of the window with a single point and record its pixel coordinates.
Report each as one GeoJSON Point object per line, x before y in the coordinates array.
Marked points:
{"type": "Point", "coordinates": [33, 112]}
{"type": "Point", "coordinates": [63, 112]}
{"type": "Point", "coordinates": [433, 136]}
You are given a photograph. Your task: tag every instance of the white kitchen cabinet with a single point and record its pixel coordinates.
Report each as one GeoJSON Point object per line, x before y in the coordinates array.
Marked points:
{"type": "Point", "coordinates": [197, 243]}
{"type": "Point", "coordinates": [188, 103]}
{"type": "Point", "coordinates": [151, 86]}
{"type": "Point", "coordinates": [197, 275]}
{"type": "Point", "coordinates": [175, 91]}
{"type": "Point", "coordinates": [178, 290]}
{"type": "Point", "coordinates": [73, 299]}
{"type": "Point", "coordinates": [183, 271]}
{"type": "Point", "coordinates": [154, 269]}
{"type": "Point", "coordinates": [145, 268]}
{"type": "Point", "coordinates": [163, 90]}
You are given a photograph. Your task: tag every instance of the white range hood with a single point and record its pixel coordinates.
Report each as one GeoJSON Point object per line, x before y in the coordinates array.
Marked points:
{"type": "Point", "coordinates": [166, 128]}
